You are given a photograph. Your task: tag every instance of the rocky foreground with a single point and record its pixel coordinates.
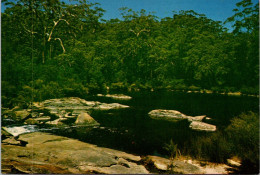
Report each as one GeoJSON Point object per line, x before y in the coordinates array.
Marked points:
{"type": "Point", "coordinates": [43, 153]}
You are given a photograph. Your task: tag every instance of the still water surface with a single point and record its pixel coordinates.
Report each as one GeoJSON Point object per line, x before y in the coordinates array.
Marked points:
{"type": "Point", "coordinates": [132, 130]}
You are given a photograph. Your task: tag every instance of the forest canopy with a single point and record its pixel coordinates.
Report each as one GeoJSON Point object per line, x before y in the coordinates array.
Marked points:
{"type": "Point", "coordinates": [52, 49]}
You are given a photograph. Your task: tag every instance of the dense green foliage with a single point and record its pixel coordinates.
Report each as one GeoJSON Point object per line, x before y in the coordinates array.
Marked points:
{"type": "Point", "coordinates": [240, 139]}
{"type": "Point", "coordinates": [52, 49]}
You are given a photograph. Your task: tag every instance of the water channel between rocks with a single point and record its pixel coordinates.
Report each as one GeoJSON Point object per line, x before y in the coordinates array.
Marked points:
{"type": "Point", "coordinates": [133, 131]}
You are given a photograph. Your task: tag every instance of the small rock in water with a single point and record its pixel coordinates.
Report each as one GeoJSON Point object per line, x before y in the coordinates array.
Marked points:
{"type": "Point", "coordinates": [55, 122]}
{"type": "Point", "coordinates": [196, 118]}
{"type": "Point", "coordinates": [234, 163]}
{"type": "Point", "coordinates": [201, 126]}
{"type": "Point", "coordinates": [85, 119]}
{"type": "Point", "coordinates": [116, 96]}
{"type": "Point", "coordinates": [171, 115]}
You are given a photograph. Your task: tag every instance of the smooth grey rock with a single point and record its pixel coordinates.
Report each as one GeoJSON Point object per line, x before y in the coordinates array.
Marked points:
{"type": "Point", "coordinates": [159, 162]}
{"type": "Point", "coordinates": [22, 114]}
{"type": "Point", "coordinates": [196, 118]}
{"type": "Point", "coordinates": [17, 130]}
{"type": "Point", "coordinates": [171, 115]}
{"type": "Point", "coordinates": [73, 155]}
{"type": "Point", "coordinates": [11, 141]}
{"type": "Point", "coordinates": [31, 121]}
{"type": "Point", "coordinates": [55, 122]}
{"type": "Point", "coordinates": [175, 166]}
{"type": "Point", "coordinates": [180, 167]}
{"type": "Point", "coordinates": [201, 126]}
{"type": "Point", "coordinates": [60, 107]}
{"type": "Point", "coordinates": [85, 119]}
{"type": "Point", "coordinates": [233, 163]}
{"type": "Point", "coordinates": [105, 106]}
{"type": "Point", "coordinates": [43, 118]}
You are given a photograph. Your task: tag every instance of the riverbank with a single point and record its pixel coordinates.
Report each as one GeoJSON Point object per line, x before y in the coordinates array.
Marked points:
{"type": "Point", "coordinates": [251, 92]}
{"type": "Point", "coordinates": [47, 153]}
{"type": "Point", "coordinates": [126, 125]}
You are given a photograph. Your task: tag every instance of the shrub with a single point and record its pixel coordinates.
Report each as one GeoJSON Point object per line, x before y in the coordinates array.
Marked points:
{"type": "Point", "coordinates": [194, 88]}
{"type": "Point", "coordinates": [119, 86]}
{"type": "Point", "coordinates": [172, 149]}
{"type": "Point", "coordinates": [240, 139]}
{"type": "Point", "coordinates": [213, 148]}
{"type": "Point", "coordinates": [216, 89]}
{"type": "Point", "coordinates": [177, 84]}
{"type": "Point", "coordinates": [73, 88]}
{"type": "Point", "coordinates": [250, 90]}
{"type": "Point", "coordinates": [243, 132]}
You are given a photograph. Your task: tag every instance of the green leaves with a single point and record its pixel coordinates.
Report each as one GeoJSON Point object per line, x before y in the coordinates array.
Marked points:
{"type": "Point", "coordinates": [246, 17]}
{"type": "Point", "coordinates": [63, 41]}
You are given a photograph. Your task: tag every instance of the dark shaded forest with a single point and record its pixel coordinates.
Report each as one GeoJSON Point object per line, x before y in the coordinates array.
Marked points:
{"type": "Point", "coordinates": [51, 49]}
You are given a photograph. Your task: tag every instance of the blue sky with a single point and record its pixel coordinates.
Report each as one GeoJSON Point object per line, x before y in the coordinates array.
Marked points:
{"type": "Point", "coordinates": [218, 10]}
{"type": "Point", "coordinates": [214, 9]}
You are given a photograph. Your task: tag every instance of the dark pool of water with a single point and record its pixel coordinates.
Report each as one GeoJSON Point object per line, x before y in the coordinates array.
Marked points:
{"type": "Point", "coordinates": [133, 131]}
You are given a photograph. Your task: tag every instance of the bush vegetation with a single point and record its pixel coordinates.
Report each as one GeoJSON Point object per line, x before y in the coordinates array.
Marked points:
{"type": "Point", "coordinates": [239, 139]}
{"type": "Point", "coordinates": [70, 52]}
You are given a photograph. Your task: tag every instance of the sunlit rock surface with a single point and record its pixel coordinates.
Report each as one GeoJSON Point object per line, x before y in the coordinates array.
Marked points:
{"type": "Point", "coordinates": [61, 112]}
{"type": "Point", "coordinates": [173, 115]}
{"type": "Point", "coordinates": [17, 130]}
{"type": "Point", "coordinates": [201, 126]}
{"type": "Point", "coordinates": [186, 165]}
{"type": "Point", "coordinates": [74, 104]}
{"type": "Point", "coordinates": [47, 153]}
{"type": "Point", "coordinates": [85, 119]}
{"type": "Point", "coordinates": [175, 166]}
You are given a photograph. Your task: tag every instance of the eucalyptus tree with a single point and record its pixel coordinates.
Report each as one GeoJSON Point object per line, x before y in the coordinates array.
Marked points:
{"type": "Point", "coordinates": [48, 24]}
{"type": "Point", "coordinates": [194, 42]}
{"type": "Point", "coordinates": [137, 30]}
{"type": "Point", "coordinates": [245, 43]}
{"type": "Point", "coordinates": [37, 37]}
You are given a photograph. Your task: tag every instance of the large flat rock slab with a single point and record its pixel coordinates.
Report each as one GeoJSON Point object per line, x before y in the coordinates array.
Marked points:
{"type": "Point", "coordinates": [75, 104]}
{"type": "Point", "coordinates": [69, 154]}
{"type": "Point", "coordinates": [174, 116]}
